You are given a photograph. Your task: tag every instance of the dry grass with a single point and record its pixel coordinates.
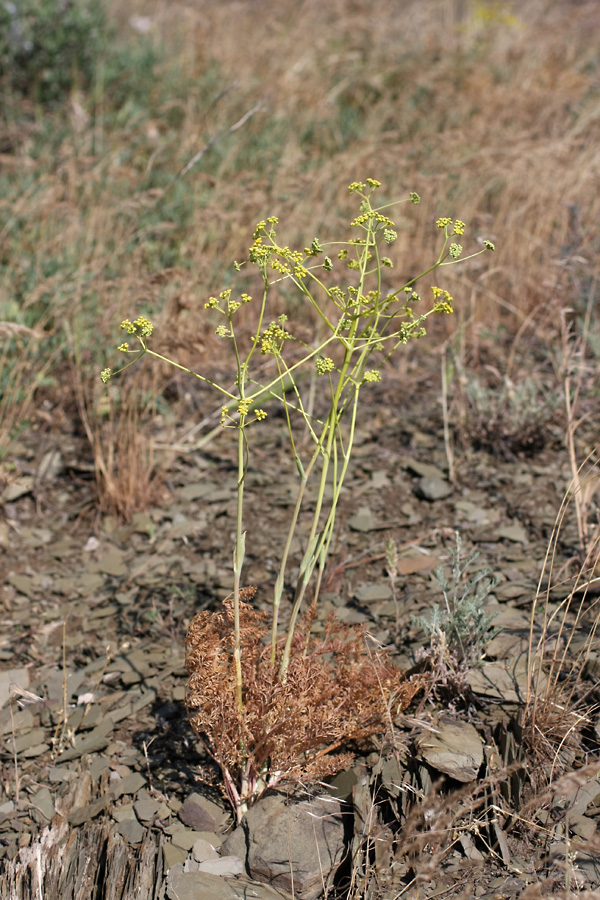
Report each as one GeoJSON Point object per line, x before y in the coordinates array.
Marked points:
{"type": "Point", "coordinates": [554, 717]}
{"type": "Point", "coordinates": [135, 199]}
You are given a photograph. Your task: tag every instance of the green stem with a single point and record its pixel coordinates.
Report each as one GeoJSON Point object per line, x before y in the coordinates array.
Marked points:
{"type": "Point", "coordinates": [238, 561]}
{"type": "Point", "coordinates": [279, 584]}
{"type": "Point", "coordinates": [318, 545]}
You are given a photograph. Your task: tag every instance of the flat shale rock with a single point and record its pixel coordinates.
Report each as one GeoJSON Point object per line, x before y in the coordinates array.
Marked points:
{"type": "Point", "coordinates": [202, 814]}
{"type": "Point", "coordinates": [183, 885]}
{"type": "Point", "coordinates": [454, 748]}
{"type": "Point", "coordinates": [198, 886]}
{"type": "Point", "coordinates": [297, 846]}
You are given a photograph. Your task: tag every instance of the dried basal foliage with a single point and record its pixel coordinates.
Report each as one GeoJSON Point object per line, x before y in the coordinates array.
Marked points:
{"type": "Point", "coordinates": [335, 690]}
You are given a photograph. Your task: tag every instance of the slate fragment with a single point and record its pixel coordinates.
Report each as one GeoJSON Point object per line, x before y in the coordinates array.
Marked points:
{"type": "Point", "coordinates": [146, 807]}
{"type": "Point", "coordinates": [363, 520]}
{"type": "Point", "coordinates": [131, 830]}
{"type": "Point", "coordinates": [171, 856]}
{"type": "Point", "coordinates": [89, 811]}
{"type": "Point", "coordinates": [505, 680]}
{"type": "Point", "coordinates": [454, 748]}
{"type": "Point", "coordinates": [198, 886]}
{"type": "Point", "coordinates": [433, 488]}
{"type": "Point", "coordinates": [226, 866]}
{"type": "Point", "coordinates": [187, 839]}
{"type": "Point", "coordinates": [43, 802]}
{"type": "Point", "coordinates": [130, 785]}
{"type": "Point", "coordinates": [92, 742]}
{"type": "Point", "coordinates": [203, 850]}
{"type": "Point", "coordinates": [18, 487]}
{"type": "Point", "coordinates": [202, 814]}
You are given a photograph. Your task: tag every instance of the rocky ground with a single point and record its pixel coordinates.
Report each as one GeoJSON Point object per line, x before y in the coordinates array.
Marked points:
{"type": "Point", "coordinates": [103, 791]}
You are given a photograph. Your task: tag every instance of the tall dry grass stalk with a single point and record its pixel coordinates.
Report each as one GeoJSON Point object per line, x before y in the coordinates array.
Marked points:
{"type": "Point", "coordinates": [121, 425]}
{"type": "Point", "coordinates": [555, 709]}
{"type": "Point", "coordinates": [19, 377]}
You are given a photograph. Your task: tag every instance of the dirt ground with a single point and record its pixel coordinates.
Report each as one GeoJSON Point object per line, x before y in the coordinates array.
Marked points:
{"type": "Point", "coordinates": [92, 677]}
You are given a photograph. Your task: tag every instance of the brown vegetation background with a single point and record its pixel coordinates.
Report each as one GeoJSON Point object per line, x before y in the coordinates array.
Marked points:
{"type": "Point", "coordinates": [136, 194]}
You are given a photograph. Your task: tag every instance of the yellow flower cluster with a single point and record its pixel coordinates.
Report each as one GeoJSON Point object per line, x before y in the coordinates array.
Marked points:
{"type": "Point", "coordinates": [324, 364]}
{"type": "Point", "coordinates": [458, 227]}
{"type": "Point", "coordinates": [273, 338]}
{"type": "Point", "coordinates": [359, 186]}
{"type": "Point", "coordinates": [442, 301]}
{"type": "Point", "coordinates": [141, 326]}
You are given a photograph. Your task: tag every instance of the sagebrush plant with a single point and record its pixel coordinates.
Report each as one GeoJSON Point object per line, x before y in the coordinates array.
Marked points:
{"type": "Point", "coordinates": [459, 629]}
{"type": "Point", "coordinates": [511, 419]}
{"type": "Point", "coordinates": [362, 325]}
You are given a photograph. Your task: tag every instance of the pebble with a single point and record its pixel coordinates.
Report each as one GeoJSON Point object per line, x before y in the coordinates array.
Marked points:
{"type": "Point", "coordinates": [454, 748]}
{"type": "Point", "coordinates": [84, 813]}
{"type": "Point", "coordinates": [433, 488]}
{"type": "Point", "coordinates": [198, 886]}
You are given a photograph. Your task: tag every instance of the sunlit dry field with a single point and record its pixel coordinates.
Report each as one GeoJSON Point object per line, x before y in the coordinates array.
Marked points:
{"type": "Point", "coordinates": [134, 194]}
{"type": "Point", "coordinates": [132, 177]}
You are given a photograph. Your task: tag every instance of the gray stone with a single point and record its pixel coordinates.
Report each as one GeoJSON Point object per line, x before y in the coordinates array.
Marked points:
{"type": "Point", "coordinates": [131, 830]}
{"type": "Point", "coordinates": [432, 487]}
{"type": "Point", "coordinates": [146, 808]}
{"type": "Point", "coordinates": [425, 470]}
{"type": "Point", "coordinates": [344, 783]}
{"type": "Point", "coordinates": [18, 676]}
{"type": "Point", "coordinates": [93, 742]}
{"type": "Point", "coordinates": [6, 809]}
{"type": "Point", "coordinates": [226, 866]}
{"type": "Point", "coordinates": [131, 784]}
{"type": "Point", "coordinates": [576, 795]}
{"type": "Point", "coordinates": [362, 520]}
{"type": "Point", "coordinates": [203, 850]}
{"type": "Point", "coordinates": [186, 839]}
{"type": "Point", "coordinates": [121, 813]}
{"type": "Point", "coordinates": [297, 846]}
{"type": "Point", "coordinates": [28, 740]}
{"type": "Point", "coordinates": [83, 814]}
{"type": "Point", "coordinates": [172, 856]}
{"type": "Point", "coordinates": [582, 826]}
{"type": "Point", "coordinates": [367, 593]}
{"type": "Point", "coordinates": [244, 889]}
{"type": "Point", "coordinates": [454, 748]}
{"type": "Point", "coordinates": [514, 532]}
{"type": "Point", "coordinates": [198, 886]}
{"type": "Point", "coordinates": [43, 802]}
{"type": "Point", "coordinates": [202, 814]}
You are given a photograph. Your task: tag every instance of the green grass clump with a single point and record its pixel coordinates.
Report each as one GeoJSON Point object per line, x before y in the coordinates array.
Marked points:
{"type": "Point", "coordinates": [49, 46]}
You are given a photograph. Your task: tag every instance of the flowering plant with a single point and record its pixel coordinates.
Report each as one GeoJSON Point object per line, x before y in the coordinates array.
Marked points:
{"type": "Point", "coordinates": [361, 326]}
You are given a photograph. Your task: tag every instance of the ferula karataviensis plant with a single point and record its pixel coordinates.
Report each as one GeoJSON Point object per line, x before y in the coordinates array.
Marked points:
{"type": "Point", "coordinates": [361, 325]}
